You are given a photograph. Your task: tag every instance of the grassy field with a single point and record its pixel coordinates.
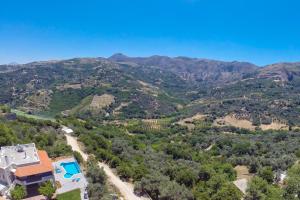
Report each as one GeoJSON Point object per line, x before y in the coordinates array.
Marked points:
{"type": "Point", "coordinates": [83, 105]}
{"type": "Point", "coordinates": [148, 124]}
{"type": "Point", "coordinates": [72, 195]}
{"type": "Point", "coordinates": [21, 113]}
{"type": "Point", "coordinates": [156, 124]}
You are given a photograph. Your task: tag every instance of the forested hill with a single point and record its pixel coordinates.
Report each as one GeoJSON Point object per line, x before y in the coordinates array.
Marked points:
{"type": "Point", "coordinates": [122, 87]}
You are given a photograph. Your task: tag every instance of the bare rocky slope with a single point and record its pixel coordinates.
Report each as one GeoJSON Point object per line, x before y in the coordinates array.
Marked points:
{"type": "Point", "coordinates": [193, 69]}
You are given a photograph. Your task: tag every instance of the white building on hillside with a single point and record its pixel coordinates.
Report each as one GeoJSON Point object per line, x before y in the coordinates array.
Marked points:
{"type": "Point", "coordinates": [67, 130]}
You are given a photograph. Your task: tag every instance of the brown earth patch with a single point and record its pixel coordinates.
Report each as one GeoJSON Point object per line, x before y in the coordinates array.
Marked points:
{"type": "Point", "coordinates": [103, 101]}
{"type": "Point", "coordinates": [179, 106]}
{"type": "Point", "coordinates": [231, 120]}
{"type": "Point", "coordinates": [69, 86]}
{"type": "Point", "coordinates": [188, 122]}
{"type": "Point", "coordinates": [242, 171]}
{"type": "Point", "coordinates": [274, 126]}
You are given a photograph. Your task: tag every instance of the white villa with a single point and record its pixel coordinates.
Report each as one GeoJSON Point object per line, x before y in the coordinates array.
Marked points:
{"type": "Point", "coordinates": [23, 165]}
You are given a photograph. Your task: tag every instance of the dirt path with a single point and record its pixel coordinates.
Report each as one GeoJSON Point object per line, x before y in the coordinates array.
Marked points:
{"type": "Point", "coordinates": [126, 189]}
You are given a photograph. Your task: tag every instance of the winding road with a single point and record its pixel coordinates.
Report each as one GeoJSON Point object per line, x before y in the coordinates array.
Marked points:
{"type": "Point", "coordinates": [125, 188]}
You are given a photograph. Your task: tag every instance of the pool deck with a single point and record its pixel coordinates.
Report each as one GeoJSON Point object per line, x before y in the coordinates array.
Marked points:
{"type": "Point", "coordinates": [68, 184]}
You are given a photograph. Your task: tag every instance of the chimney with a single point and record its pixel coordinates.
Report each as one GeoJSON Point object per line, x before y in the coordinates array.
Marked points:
{"type": "Point", "coordinates": [6, 160]}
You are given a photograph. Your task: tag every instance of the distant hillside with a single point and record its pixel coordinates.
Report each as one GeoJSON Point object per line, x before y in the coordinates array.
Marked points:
{"type": "Point", "coordinates": [193, 69]}
{"type": "Point", "coordinates": [155, 87]}
{"type": "Point", "coordinates": [58, 86]}
{"type": "Point", "coordinates": [281, 71]}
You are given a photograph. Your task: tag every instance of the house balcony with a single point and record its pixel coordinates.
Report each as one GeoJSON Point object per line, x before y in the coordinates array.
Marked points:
{"type": "Point", "coordinates": [39, 178]}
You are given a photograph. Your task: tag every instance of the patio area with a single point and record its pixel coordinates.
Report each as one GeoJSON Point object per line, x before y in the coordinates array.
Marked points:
{"type": "Point", "coordinates": [69, 180]}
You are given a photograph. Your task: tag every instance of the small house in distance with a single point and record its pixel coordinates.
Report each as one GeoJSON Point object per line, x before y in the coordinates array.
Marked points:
{"type": "Point", "coordinates": [24, 165]}
{"type": "Point", "coordinates": [67, 130]}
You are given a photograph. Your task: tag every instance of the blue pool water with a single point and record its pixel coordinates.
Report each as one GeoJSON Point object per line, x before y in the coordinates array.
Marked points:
{"type": "Point", "coordinates": [71, 168]}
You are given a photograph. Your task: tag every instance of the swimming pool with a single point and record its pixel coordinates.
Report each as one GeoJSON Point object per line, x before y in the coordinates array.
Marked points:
{"type": "Point", "coordinates": [71, 168]}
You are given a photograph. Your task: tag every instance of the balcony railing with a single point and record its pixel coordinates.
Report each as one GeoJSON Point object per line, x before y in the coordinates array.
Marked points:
{"type": "Point", "coordinates": [32, 180]}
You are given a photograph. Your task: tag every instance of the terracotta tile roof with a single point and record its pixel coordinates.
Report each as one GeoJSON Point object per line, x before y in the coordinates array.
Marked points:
{"type": "Point", "coordinates": [44, 166]}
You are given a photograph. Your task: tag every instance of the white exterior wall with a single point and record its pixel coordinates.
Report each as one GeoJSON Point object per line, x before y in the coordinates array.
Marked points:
{"type": "Point", "coordinates": [6, 177]}
{"type": "Point", "coordinates": [2, 176]}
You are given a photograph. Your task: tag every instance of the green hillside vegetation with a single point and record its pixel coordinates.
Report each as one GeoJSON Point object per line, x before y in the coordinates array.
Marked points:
{"type": "Point", "coordinates": [159, 161]}
{"type": "Point", "coordinates": [138, 132]}
{"type": "Point", "coordinates": [38, 117]}
{"type": "Point", "coordinates": [159, 87]}
{"type": "Point", "coordinates": [70, 98]}
{"type": "Point", "coordinates": [45, 134]}
{"type": "Point", "coordinates": [82, 106]}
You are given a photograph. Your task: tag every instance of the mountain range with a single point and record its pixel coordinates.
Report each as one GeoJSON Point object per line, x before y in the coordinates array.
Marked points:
{"type": "Point", "coordinates": [154, 87]}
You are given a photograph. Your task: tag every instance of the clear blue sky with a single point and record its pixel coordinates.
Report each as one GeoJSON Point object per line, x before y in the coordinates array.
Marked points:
{"type": "Point", "coordinates": [259, 31]}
